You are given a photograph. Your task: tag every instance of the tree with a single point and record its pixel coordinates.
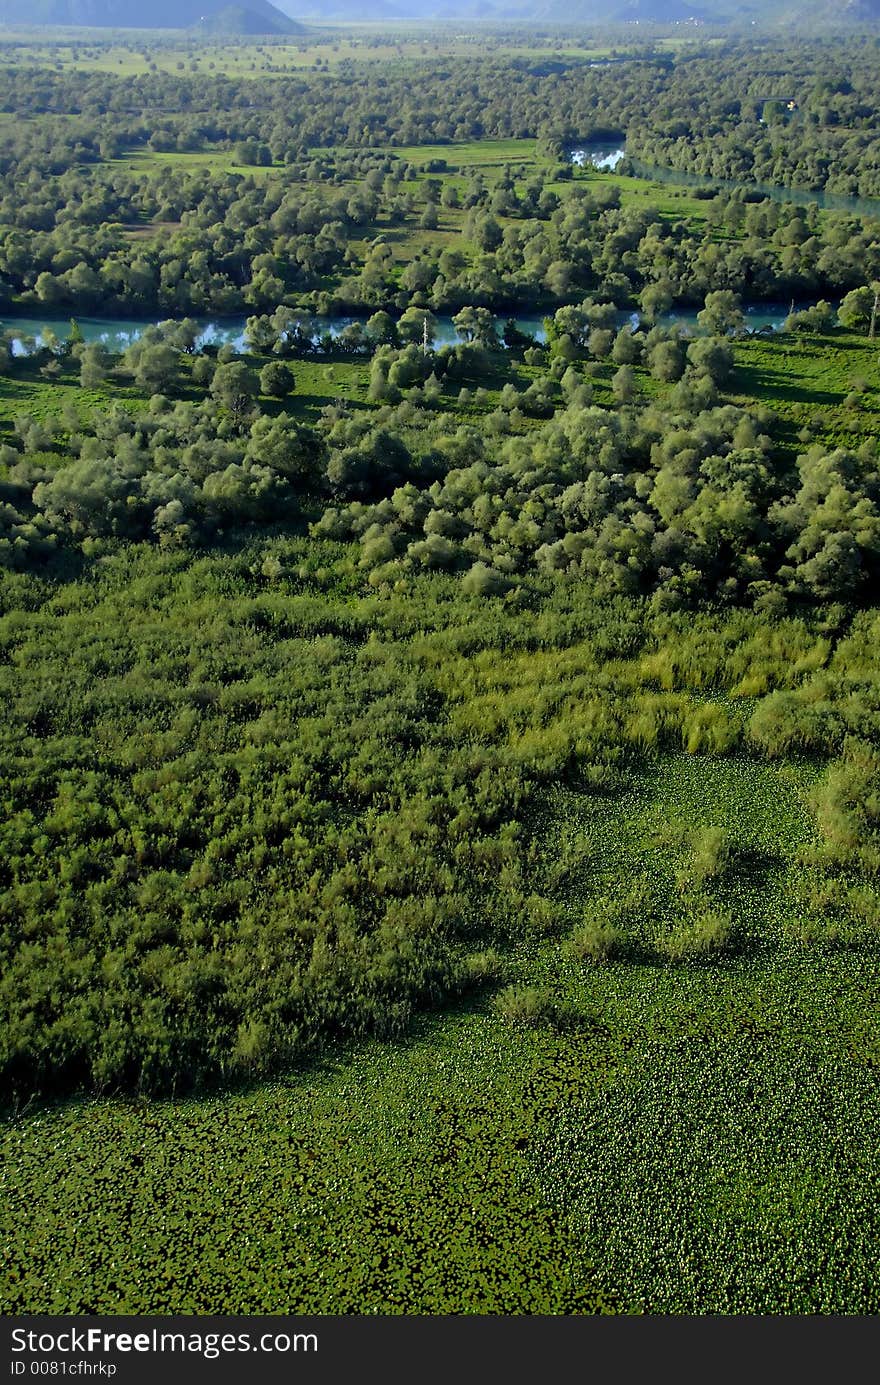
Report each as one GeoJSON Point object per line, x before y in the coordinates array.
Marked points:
{"type": "Point", "coordinates": [94, 365]}
{"type": "Point", "coordinates": [380, 329]}
{"type": "Point", "coordinates": [487, 233]}
{"type": "Point", "coordinates": [260, 333]}
{"type": "Point", "coordinates": [819, 318]}
{"type": "Point", "coordinates": [89, 497]}
{"type": "Point", "coordinates": [380, 390]}
{"type": "Point", "coordinates": [49, 289]}
{"type": "Point", "coordinates": [666, 361]}
{"type": "Point", "coordinates": [282, 444]}
{"type": "Point", "coordinates": [234, 386]}
{"type": "Point", "coordinates": [84, 285]}
{"type": "Point", "coordinates": [477, 325]}
{"type": "Point", "coordinates": [721, 313]}
{"type": "Point", "coordinates": [428, 220]}
{"type": "Point", "coordinates": [656, 299]}
{"type": "Point", "coordinates": [155, 367]}
{"type": "Point", "coordinates": [203, 371]}
{"type": "Point", "coordinates": [627, 349]}
{"type": "Point", "coordinates": [859, 309]}
{"type": "Point", "coordinates": [711, 356]}
{"type": "Point", "coordinates": [600, 342]}
{"type": "Point", "coordinates": [276, 379]}
{"type": "Point", "coordinates": [413, 323]}
{"type": "Point", "coordinates": [75, 339]}
{"type": "Point", "coordinates": [623, 384]}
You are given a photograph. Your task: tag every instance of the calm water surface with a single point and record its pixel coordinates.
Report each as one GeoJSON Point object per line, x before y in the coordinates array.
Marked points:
{"type": "Point", "coordinates": [116, 333]}
{"type": "Point", "coordinates": [607, 157]}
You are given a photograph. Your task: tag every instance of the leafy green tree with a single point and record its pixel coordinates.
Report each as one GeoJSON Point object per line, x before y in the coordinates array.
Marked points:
{"type": "Point", "coordinates": [712, 356]}
{"type": "Point", "coordinates": [155, 366]}
{"type": "Point", "coordinates": [623, 383]}
{"type": "Point", "coordinates": [94, 366]}
{"type": "Point", "coordinates": [413, 324]}
{"type": "Point", "coordinates": [477, 325]}
{"type": "Point", "coordinates": [721, 313]}
{"type": "Point", "coordinates": [291, 450]}
{"type": "Point", "coordinates": [666, 361]}
{"type": "Point", "coordinates": [234, 386]}
{"type": "Point", "coordinates": [858, 310]}
{"type": "Point", "coordinates": [600, 342]}
{"type": "Point", "coordinates": [380, 328]}
{"type": "Point", "coordinates": [276, 379]}
{"type": "Point", "coordinates": [627, 348]}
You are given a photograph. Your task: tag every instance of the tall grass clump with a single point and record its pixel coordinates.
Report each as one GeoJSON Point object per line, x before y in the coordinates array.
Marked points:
{"type": "Point", "coordinates": [594, 940]}
{"type": "Point", "coordinates": [525, 1007]}
{"type": "Point", "coordinates": [691, 939]}
{"type": "Point", "coordinates": [709, 859]}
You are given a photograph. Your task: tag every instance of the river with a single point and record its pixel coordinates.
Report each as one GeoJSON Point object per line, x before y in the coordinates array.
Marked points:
{"type": "Point", "coordinates": [607, 157]}
{"type": "Point", "coordinates": [116, 333]}
{"type": "Point", "coordinates": [598, 155]}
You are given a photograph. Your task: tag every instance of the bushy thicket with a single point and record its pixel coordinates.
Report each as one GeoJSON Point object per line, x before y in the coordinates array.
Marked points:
{"type": "Point", "coordinates": [211, 241]}
{"type": "Point", "coordinates": [684, 503]}
{"type": "Point", "coordinates": [681, 495]}
{"type": "Point", "coordinates": [233, 825]}
{"type": "Point", "coordinates": [246, 811]}
{"type": "Point", "coordinates": [718, 110]}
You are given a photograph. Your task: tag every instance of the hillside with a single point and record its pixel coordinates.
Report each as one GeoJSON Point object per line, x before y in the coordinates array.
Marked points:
{"type": "Point", "coordinates": [261, 17]}
{"type": "Point", "coordinates": [214, 16]}
{"type": "Point", "coordinates": [800, 14]}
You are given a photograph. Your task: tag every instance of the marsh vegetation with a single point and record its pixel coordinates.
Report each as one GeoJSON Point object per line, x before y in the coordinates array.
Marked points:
{"type": "Point", "coordinates": [439, 777]}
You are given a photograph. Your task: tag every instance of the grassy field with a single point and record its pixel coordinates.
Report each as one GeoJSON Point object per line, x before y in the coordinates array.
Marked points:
{"type": "Point", "coordinates": [27, 394]}
{"type": "Point", "coordinates": [825, 388]}
{"type": "Point", "coordinates": [319, 45]}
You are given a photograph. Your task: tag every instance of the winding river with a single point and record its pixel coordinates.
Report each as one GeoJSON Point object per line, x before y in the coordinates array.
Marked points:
{"type": "Point", "coordinates": [116, 333]}
{"type": "Point", "coordinates": [607, 157]}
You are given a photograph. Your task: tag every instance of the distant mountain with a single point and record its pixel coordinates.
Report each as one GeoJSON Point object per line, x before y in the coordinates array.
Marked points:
{"type": "Point", "coordinates": [858, 11]}
{"type": "Point", "coordinates": [762, 14]}
{"type": "Point", "coordinates": [667, 12]}
{"type": "Point", "coordinates": [261, 17]}
{"type": "Point", "coordinates": [210, 16]}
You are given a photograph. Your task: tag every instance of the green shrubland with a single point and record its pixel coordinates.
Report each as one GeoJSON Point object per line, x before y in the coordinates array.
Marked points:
{"type": "Point", "coordinates": [441, 831]}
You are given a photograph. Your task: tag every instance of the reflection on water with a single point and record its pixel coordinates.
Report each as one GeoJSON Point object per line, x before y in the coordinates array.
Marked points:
{"type": "Point", "coordinates": [829, 201]}
{"type": "Point", "coordinates": [118, 333]}
{"type": "Point", "coordinates": [608, 156]}
{"type": "Point", "coordinates": [29, 333]}
{"type": "Point", "coordinates": [602, 156]}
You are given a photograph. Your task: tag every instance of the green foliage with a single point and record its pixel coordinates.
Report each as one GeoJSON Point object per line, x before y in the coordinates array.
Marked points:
{"type": "Point", "coordinates": [525, 1005]}
{"type": "Point", "coordinates": [276, 379]}
{"type": "Point", "coordinates": [505, 665]}
{"type": "Point", "coordinates": [847, 806]}
{"type": "Point", "coordinates": [709, 858]}
{"type": "Point", "coordinates": [235, 876]}
{"type": "Point", "coordinates": [858, 308]}
{"type": "Point", "coordinates": [699, 937]}
{"type": "Point", "coordinates": [595, 940]}
{"type": "Point", "coordinates": [258, 751]}
{"type": "Point", "coordinates": [481, 968]}
{"type": "Point", "coordinates": [503, 1168]}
